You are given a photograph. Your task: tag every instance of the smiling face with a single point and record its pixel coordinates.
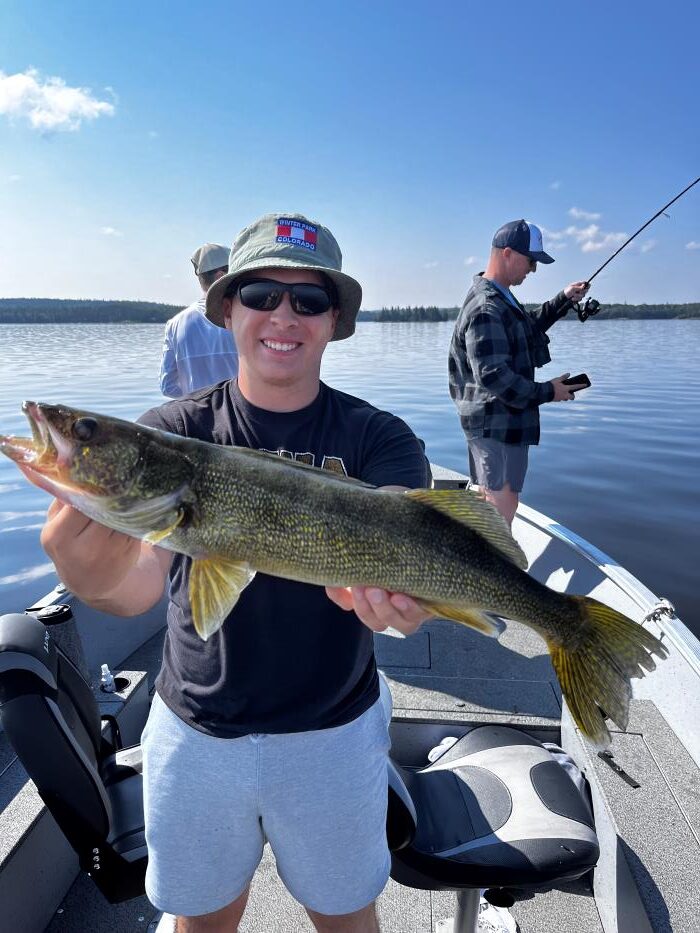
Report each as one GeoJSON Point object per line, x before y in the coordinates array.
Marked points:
{"type": "Point", "coordinates": [279, 351]}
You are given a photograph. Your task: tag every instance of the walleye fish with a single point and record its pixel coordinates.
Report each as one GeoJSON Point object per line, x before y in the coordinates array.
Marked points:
{"type": "Point", "coordinates": [235, 511]}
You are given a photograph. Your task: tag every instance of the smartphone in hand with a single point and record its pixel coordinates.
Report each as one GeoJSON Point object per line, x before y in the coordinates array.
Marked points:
{"type": "Point", "coordinates": [577, 380]}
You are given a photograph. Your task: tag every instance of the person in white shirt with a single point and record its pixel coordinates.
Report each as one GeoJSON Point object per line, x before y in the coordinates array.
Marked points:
{"type": "Point", "coordinates": [197, 353]}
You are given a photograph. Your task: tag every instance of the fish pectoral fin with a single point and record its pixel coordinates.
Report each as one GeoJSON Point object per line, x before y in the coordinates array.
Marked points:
{"type": "Point", "coordinates": [484, 622]}
{"type": "Point", "coordinates": [162, 514]}
{"type": "Point", "coordinates": [215, 585]}
{"type": "Point", "coordinates": [155, 537]}
{"type": "Point", "coordinates": [473, 510]}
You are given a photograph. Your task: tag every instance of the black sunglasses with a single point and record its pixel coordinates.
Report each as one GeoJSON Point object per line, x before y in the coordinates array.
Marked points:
{"type": "Point", "coordinates": [267, 294]}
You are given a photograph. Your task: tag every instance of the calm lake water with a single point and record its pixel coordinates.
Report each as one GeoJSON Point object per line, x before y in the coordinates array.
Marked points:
{"type": "Point", "coordinates": [620, 466]}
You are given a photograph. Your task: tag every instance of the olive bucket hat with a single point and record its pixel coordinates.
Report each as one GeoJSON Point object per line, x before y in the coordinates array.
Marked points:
{"type": "Point", "coordinates": [289, 241]}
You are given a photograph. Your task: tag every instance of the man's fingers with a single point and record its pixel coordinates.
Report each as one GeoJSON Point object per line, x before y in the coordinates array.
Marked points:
{"type": "Point", "coordinates": [380, 610]}
{"type": "Point", "coordinates": [411, 611]}
{"type": "Point", "coordinates": [54, 508]}
{"type": "Point", "coordinates": [371, 606]}
{"type": "Point", "coordinates": [71, 520]}
{"type": "Point", "coordinates": [63, 526]}
{"type": "Point", "coordinates": [341, 596]}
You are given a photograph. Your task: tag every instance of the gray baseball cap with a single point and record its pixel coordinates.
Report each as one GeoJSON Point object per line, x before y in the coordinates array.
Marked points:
{"type": "Point", "coordinates": [209, 257]}
{"type": "Point", "coordinates": [289, 241]}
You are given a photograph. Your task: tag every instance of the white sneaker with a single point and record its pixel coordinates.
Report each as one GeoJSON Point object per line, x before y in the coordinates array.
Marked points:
{"type": "Point", "coordinates": [495, 919]}
{"type": "Point", "coordinates": [440, 749]}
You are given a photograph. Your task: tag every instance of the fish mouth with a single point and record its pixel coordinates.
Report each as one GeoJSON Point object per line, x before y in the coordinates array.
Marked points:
{"type": "Point", "coordinates": [45, 457]}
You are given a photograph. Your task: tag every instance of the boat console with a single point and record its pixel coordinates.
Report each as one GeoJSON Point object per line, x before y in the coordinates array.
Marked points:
{"type": "Point", "coordinates": [494, 811]}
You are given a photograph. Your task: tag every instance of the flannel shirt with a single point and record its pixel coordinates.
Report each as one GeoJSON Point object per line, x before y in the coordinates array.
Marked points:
{"type": "Point", "coordinates": [494, 352]}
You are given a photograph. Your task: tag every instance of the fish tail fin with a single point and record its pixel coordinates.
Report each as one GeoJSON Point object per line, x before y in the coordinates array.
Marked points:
{"type": "Point", "coordinates": [484, 622]}
{"type": "Point", "coordinates": [595, 675]}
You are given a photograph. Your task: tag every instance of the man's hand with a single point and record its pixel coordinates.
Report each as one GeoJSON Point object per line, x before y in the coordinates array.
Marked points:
{"type": "Point", "coordinates": [379, 609]}
{"type": "Point", "coordinates": [576, 290]}
{"type": "Point", "coordinates": [104, 568]}
{"type": "Point", "coordinates": [89, 558]}
{"type": "Point", "coordinates": [564, 393]}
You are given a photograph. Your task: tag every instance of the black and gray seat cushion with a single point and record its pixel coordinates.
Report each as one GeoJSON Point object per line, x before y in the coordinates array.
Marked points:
{"type": "Point", "coordinates": [93, 791]}
{"type": "Point", "coordinates": [496, 810]}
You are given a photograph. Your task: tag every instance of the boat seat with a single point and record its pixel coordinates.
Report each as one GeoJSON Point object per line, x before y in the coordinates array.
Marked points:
{"type": "Point", "coordinates": [92, 789]}
{"type": "Point", "coordinates": [495, 811]}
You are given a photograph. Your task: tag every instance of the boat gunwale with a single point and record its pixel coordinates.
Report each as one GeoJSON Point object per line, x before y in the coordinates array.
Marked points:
{"type": "Point", "coordinates": [671, 626]}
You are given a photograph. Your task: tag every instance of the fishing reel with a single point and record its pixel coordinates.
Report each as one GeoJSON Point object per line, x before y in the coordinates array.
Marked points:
{"type": "Point", "coordinates": [588, 308]}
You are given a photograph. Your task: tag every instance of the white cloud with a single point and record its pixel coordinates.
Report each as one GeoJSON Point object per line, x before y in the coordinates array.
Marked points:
{"type": "Point", "coordinates": [599, 240]}
{"type": "Point", "coordinates": [578, 214]}
{"type": "Point", "coordinates": [431, 265]}
{"type": "Point", "coordinates": [152, 134]}
{"type": "Point", "coordinates": [647, 246]}
{"type": "Point", "coordinates": [48, 104]}
{"type": "Point", "coordinates": [581, 234]}
{"type": "Point", "coordinates": [590, 238]}
{"type": "Point", "coordinates": [556, 236]}
{"type": "Point", "coordinates": [110, 231]}
{"type": "Point", "coordinates": [14, 178]}
{"type": "Point", "coordinates": [555, 186]}
{"type": "Point", "coordinates": [692, 245]}
{"type": "Point", "coordinates": [26, 576]}
{"type": "Point", "coordinates": [471, 261]}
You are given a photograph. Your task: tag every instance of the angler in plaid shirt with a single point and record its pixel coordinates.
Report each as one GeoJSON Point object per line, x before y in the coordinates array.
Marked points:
{"type": "Point", "coordinates": [495, 349]}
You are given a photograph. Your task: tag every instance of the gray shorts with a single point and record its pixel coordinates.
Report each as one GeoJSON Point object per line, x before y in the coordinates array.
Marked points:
{"type": "Point", "coordinates": [319, 798]}
{"type": "Point", "coordinates": [492, 463]}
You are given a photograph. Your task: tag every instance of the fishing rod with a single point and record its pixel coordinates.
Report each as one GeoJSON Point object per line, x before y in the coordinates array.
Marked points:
{"type": "Point", "coordinates": [590, 306]}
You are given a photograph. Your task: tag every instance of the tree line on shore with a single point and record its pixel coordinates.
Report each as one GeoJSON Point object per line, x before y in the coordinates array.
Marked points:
{"type": "Point", "coordinates": [87, 311]}
{"type": "Point", "coordinates": [609, 311]}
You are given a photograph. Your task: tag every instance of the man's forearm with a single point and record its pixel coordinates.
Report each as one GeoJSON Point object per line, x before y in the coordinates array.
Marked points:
{"type": "Point", "coordinates": [551, 311]}
{"type": "Point", "coordinates": [169, 376]}
{"type": "Point", "coordinates": [170, 383]}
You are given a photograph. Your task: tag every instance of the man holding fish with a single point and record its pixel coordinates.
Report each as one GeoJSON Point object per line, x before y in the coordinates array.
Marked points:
{"type": "Point", "coordinates": [267, 684]}
{"type": "Point", "coordinates": [247, 728]}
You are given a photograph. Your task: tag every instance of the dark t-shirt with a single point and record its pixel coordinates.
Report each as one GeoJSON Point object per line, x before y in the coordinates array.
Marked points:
{"type": "Point", "coordinates": [286, 659]}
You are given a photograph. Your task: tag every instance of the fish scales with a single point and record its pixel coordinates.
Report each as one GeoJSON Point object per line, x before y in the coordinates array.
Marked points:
{"type": "Point", "coordinates": [339, 534]}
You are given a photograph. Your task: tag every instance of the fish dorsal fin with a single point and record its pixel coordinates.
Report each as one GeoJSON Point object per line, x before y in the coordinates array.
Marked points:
{"type": "Point", "coordinates": [472, 509]}
{"type": "Point", "coordinates": [215, 585]}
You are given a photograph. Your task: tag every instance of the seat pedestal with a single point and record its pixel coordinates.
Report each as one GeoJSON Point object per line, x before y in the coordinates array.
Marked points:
{"type": "Point", "coordinates": [466, 917]}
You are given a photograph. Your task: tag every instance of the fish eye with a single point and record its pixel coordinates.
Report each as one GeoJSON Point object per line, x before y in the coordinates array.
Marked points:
{"type": "Point", "coordinates": [84, 428]}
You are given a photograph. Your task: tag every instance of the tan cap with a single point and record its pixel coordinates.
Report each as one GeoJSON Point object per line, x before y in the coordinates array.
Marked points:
{"type": "Point", "coordinates": [209, 257]}
{"type": "Point", "coordinates": [289, 241]}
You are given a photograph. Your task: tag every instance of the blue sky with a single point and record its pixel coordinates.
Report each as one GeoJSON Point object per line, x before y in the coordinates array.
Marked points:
{"type": "Point", "coordinates": [131, 133]}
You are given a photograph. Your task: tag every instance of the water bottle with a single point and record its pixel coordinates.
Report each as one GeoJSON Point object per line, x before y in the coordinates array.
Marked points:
{"type": "Point", "coordinates": [107, 679]}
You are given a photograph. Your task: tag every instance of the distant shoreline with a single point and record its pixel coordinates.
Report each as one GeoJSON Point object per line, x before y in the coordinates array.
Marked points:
{"type": "Point", "coordinates": [85, 311]}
